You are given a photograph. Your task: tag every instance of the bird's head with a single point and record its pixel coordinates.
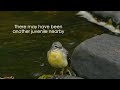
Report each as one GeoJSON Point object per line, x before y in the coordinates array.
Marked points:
{"type": "Point", "coordinates": [57, 45]}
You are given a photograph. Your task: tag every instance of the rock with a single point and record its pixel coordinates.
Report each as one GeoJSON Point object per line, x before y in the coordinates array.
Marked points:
{"type": "Point", "coordinates": [115, 15]}
{"type": "Point", "coordinates": [59, 77]}
{"type": "Point", "coordinates": [111, 22]}
{"type": "Point", "coordinates": [98, 58]}
{"type": "Point", "coordinates": [65, 77]}
{"type": "Point", "coordinates": [11, 77]}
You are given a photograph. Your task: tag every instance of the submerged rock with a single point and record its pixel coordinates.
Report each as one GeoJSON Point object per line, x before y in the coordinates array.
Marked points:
{"type": "Point", "coordinates": [98, 58]}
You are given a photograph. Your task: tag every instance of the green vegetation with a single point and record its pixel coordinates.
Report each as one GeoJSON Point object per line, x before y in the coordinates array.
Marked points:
{"type": "Point", "coordinates": [45, 77]}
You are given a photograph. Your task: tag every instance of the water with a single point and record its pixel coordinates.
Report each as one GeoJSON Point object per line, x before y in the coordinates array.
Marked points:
{"type": "Point", "coordinates": [24, 56]}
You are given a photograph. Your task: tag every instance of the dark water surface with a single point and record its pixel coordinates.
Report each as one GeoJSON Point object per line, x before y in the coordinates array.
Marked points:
{"type": "Point", "coordinates": [24, 56]}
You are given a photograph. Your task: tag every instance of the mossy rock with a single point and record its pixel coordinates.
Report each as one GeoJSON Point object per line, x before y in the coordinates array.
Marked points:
{"type": "Point", "coordinates": [45, 76]}
{"type": "Point", "coordinates": [59, 77]}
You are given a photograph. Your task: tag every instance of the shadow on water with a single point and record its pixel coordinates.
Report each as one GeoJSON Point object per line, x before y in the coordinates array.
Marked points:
{"type": "Point", "coordinates": [25, 55]}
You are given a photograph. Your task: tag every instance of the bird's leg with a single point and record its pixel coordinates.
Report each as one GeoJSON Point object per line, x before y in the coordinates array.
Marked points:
{"type": "Point", "coordinates": [62, 71]}
{"type": "Point", "coordinates": [54, 73]}
{"type": "Point", "coordinates": [69, 72]}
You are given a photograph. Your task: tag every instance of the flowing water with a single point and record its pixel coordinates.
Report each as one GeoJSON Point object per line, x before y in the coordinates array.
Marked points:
{"type": "Point", "coordinates": [24, 56]}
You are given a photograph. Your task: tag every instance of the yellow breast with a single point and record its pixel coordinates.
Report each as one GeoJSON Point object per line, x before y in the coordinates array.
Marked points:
{"type": "Point", "coordinates": [57, 60]}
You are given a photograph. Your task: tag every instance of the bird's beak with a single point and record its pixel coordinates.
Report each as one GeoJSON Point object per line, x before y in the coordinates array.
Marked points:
{"type": "Point", "coordinates": [60, 47]}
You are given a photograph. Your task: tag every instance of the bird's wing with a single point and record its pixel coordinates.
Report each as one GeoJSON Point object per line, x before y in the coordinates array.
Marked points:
{"type": "Point", "coordinates": [67, 56]}
{"type": "Point", "coordinates": [65, 51]}
{"type": "Point", "coordinates": [48, 53]}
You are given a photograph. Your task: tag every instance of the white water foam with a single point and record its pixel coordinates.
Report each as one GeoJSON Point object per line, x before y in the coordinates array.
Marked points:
{"type": "Point", "coordinates": [90, 18]}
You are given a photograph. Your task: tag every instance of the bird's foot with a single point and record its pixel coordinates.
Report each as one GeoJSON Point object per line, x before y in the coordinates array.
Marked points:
{"type": "Point", "coordinates": [69, 72]}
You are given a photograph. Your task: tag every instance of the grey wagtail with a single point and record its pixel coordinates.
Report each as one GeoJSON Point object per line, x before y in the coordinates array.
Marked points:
{"type": "Point", "coordinates": [57, 56]}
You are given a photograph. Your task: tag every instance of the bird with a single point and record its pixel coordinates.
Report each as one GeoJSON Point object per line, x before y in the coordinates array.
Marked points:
{"type": "Point", "coordinates": [57, 56]}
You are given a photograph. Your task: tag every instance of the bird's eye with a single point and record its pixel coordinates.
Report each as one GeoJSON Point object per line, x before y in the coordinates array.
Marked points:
{"type": "Point", "coordinates": [56, 46]}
